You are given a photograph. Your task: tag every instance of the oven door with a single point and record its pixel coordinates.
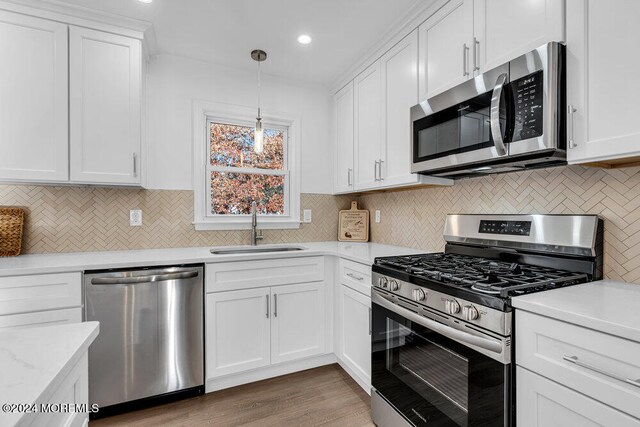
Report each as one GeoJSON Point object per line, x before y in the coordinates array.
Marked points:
{"type": "Point", "coordinates": [432, 379]}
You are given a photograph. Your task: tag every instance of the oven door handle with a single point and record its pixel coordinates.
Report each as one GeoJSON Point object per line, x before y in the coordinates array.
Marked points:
{"type": "Point", "coordinates": [447, 331]}
{"type": "Point", "coordinates": [496, 133]}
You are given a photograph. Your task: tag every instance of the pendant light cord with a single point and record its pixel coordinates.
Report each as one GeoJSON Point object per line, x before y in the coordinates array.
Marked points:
{"type": "Point", "coordinates": [259, 89]}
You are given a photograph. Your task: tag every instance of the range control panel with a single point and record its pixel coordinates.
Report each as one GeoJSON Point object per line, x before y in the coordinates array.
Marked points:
{"type": "Point", "coordinates": [527, 95]}
{"type": "Point", "coordinates": [513, 228]}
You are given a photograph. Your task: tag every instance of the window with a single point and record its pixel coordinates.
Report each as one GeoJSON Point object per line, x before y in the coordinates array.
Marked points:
{"type": "Point", "coordinates": [231, 175]}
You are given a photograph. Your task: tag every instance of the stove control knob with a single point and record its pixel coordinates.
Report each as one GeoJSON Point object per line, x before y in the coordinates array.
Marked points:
{"type": "Point", "coordinates": [471, 313]}
{"type": "Point", "coordinates": [382, 282]}
{"type": "Point", "coordinates": [394, 285]}
{"type": "Point", "coordinates": [419, 295]}
{"type": "Point", "coordinates": [452, 306]}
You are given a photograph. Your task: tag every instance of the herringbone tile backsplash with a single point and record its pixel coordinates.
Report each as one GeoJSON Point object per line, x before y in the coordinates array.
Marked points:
{"type": "Point", "coordinates": [75, 219]}
{"type": "Point", "coordinates": [416, 218]}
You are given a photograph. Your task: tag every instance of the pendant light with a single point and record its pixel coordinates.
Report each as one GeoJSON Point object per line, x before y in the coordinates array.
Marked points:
{"type": "Point", "coordinates": [258, 139]}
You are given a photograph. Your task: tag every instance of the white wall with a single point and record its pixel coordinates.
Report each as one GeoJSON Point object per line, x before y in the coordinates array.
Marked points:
{"type": "Point", "coordinates": [174, 82]}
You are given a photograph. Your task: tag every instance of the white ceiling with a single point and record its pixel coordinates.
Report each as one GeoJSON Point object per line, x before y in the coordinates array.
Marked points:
{"type": "Point", "coordinates": [225, 31]}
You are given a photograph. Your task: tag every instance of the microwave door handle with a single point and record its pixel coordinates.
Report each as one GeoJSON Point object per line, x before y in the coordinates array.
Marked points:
{"type": "Point", "coordinates": [496, 133]}
{"type": "Point", "coordinates": [447, 331]}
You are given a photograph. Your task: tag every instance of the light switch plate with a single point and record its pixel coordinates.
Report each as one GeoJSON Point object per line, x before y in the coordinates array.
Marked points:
{"type": "Point", "coordinates": [307, 215]}
{"type": "Point", "coordinates": [135, 217]}
{"type": "Point", "coordinates": [377, 216]}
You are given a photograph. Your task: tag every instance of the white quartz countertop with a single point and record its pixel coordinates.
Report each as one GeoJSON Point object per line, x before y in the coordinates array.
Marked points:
{"type": "Point", "coordinates": [34, 361]}
{"type": "Point", "coordinates": [66, 262]}
{"type": "Point", "coordinates": [608, 306]}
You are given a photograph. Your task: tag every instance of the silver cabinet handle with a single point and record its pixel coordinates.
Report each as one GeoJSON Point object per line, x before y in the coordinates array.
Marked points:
{"type": "Point", "coordinates": [380, 162]}
{"type": "Point", "coordinates": [349, 171]}
{"type": "Point", "coordinates": [135, 165]}
{"type": "Point", "coordinates": [570, 112]}
{"type": "Point", "coordinates": [576, 361]}
{"type": "Point", "coordinates": [465, 60]}
{"type": "Point", "coordinates": [476, 54]}
{"type": "Point", "coordinates": [353, 276]}
{"type": "Point", "coordinates": [267, 298]}
{"type": "Point", "coordinates": [370, 322]}
{"type": "Point", "coordinates": [496, 133]}
{"type": "Point", "coordinates": [143, 279]}
{"type": "Point", "coordinates": [275, 305]}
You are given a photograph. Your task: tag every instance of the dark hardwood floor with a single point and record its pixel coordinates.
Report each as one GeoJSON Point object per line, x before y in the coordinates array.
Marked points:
{"type": "Point", "coordinates": [324, 396]}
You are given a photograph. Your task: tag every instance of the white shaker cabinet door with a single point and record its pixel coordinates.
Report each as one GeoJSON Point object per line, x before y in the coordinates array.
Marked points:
{"type": "Point", "coordinates": [33, 99]}
{"type": "Point", "coordinates": [354, 334]}
{"type": "Point", "coordinates": [343, 150]}
{"type": "Point", "coordinates": [368, 127]}
{"type": "Point", "coordinates": [603, 83]}
{"type": "Point", "coordinates": [297, 322]}
{"type": "Point", "coordinates": [446, 40]}
{"type": "Point", "coordinates": [400, 80]}
{"type": "Point", "coordinates": [545, 403]}
{"type": "Point", "coordinates": [105, 106]}
{"type": "Point", "coordinates": [506, 29]}
{"type": "Point", "coordinates": [237, 331]}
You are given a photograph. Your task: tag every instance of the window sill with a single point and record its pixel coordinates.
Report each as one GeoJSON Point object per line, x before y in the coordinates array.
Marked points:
{"type": "Point", "coordinates": [246, 225]}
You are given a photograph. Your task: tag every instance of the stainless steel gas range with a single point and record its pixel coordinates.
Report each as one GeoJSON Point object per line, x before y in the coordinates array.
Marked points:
{"type": "Point", "coordinates": [442, 323]}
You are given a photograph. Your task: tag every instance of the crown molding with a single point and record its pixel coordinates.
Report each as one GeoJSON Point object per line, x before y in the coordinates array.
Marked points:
{"type": "Point", "coordinates": [56, 10]}
{"type": "Point", "coordinates": [411, 20]}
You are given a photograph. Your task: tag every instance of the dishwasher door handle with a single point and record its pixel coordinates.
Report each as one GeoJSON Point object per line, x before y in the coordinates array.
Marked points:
{"type": "Point", "coordinates": [132, 280]}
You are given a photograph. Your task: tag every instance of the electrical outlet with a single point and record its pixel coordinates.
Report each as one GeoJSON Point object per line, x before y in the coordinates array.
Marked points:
{"type": "Point", "coordinates": [307, 215]}
{"type": "Point", "coordinates": [377, 216]}
{"type": "Point", "coordinates": [135, 217]}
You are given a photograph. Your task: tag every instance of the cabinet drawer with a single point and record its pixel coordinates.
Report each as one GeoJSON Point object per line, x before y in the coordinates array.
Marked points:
{"type": "Point", "coordinates": [22, 294]}
{"type": "Point", "coordinates": [544, 403]}
{"type": "Point", "coordinates": [355, 275]}
{"type": "Point", "coordinates": [593, 363]}
{"type": "Point", "coordinates": [41, 318]}
{"type": "Point", "coordinates": [256, 274]}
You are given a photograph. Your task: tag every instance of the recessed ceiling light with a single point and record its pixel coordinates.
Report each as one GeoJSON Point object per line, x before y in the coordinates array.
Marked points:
{"type": "Point", "coordinates": [145, 1]}
{"type": "Point", "coordinates": [304, 39]}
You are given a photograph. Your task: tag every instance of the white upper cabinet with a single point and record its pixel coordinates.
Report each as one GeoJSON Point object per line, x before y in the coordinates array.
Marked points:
{"type": "Point", "coordinates": [446, 40]}
{"type": "Point", "coordinates": [400, 80]}
{"type": "Point", "coordinates": [343, 160]}
{"type": "Point", "coordinates": [383, 96]}
{"type": "Point", "coordinates": [33, 99]}
{"type": "Point", "coordinates": [506, 29]}
{"type": "Point", "coordinates": [602, 91]}
{"type": "Point", "coordinates": [468, 37]}
{"type": "Point", "coordinates": [368, 129]}
{"type": "Point", "coordinates": [105, 75]}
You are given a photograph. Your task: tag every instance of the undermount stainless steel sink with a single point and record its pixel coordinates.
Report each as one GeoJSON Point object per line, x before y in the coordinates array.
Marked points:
{"type": "Point", "coordinates": [256, 250]}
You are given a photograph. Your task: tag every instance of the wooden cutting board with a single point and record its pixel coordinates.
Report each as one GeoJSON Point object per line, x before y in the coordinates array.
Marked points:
{"type": "Point", "coordinates": [353, 225]}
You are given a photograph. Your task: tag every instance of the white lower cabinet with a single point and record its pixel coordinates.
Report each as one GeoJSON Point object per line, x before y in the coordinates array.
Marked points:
{"type": "Point", "coordinates": [354, 334]}
{"type": "Point", "coordinates": [255, 328]}
{"type": "Point", "coordinates": [569, 375]}
{"type": "Point", "coordinates": [237, 331]}
{"type": "Point", "coordinates": [545, 403]}
{"type": "Point", "coordinates": [297, 326]}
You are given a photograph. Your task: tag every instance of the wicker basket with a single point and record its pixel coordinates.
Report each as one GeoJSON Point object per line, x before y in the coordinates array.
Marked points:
{"type": "Point", "coordinates": [11, 229]}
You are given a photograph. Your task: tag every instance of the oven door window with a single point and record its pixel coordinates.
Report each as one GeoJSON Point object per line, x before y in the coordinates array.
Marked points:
{"type": "Point", "coordinates": [433, 380]}
{"type": "Point", "coordinates": [458, 129]}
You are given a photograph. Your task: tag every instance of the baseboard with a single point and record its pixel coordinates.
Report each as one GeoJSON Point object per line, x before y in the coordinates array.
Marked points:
{"type": "Point", "coordinates": [233, 380]}
{"type": "Point", "coordinates": [361, 382]}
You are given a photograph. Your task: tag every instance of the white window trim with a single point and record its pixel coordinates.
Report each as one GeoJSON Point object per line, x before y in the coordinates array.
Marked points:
{"type": "Point", "coordinates": [203, 111]}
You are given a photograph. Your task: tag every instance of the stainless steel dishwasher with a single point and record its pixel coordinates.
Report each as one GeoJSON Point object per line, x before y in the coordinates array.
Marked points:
{"type": "Point", "coordinates": [150, 346]}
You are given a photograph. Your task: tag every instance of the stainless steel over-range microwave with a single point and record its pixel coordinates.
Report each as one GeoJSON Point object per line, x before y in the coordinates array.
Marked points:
{"type": "Point", "coordinates": [506, 119]}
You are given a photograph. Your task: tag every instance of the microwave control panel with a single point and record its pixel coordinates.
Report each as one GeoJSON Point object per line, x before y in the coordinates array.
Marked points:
{"type": "Point", "coordinates": [513, 228]}
{"type": "Point", "coordinates": [527, 95]}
